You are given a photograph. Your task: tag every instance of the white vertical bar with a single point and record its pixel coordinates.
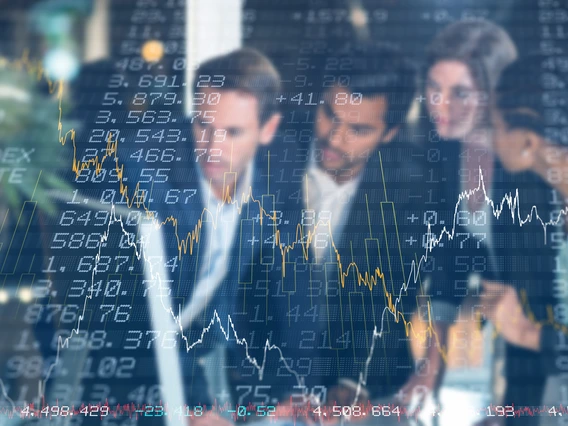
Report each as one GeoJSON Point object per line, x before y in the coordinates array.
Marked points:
{"type": "Point", "coordinates": [213, 28]}
{"type": "Point", "coordinates": [97, 33]}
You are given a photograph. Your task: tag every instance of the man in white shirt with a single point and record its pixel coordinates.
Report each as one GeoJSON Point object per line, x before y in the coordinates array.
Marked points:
{"type": "Point", "coordinates": [357, 170]}
{"type": "Point", "coordinates": [214, 196]}
{"type": "Point", "coordinates": [343, 229]}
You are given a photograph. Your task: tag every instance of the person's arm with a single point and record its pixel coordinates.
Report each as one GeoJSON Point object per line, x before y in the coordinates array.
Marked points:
{"type": "Point", "coordinates": [502, 306]}
{"type": "Point", "coordinates": [548, 346]}
{"type": "Point", "coordinates": [439, 317]}
{"type": "Point", "coordinates": [547, 339]}
{"type": "Point", "coordinates": [430, 372]}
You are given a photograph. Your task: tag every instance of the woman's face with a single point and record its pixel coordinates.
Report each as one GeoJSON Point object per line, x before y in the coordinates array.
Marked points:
{"type": "Point", "coordinates": [453, 100]}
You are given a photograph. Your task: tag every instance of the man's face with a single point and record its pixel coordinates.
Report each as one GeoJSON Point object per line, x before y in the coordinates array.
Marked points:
{"type": "Point", "coordinates": [348, 128]}
{"type": "Point", "coordinates": [227, 133]}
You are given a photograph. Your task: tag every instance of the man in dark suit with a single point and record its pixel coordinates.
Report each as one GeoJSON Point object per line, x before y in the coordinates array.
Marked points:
{"type": "Point", "coordinates": [235, 115]}
{"type": "Point", "coordinates": [346, 240]}
{"type": "Point", "coordinates": [201, 241]}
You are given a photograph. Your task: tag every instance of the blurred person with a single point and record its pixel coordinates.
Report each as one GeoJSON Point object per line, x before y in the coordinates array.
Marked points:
{"type": "Point", "coordinates": [349, 195]}
{"type": "Point", "coordinates": [359, 162]}
{"type": "Point", "coordinates": [236, 114]}
{"type": "Point", "coordinates": [205, 243]}
{"type": "Point", "coordinates": [462, 67]}
{"type": "Point", "coordinates": [529, 142]}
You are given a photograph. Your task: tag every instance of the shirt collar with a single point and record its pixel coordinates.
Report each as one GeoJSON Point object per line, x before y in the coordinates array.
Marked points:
{"type": "Point", "coordinates": [243, 185]}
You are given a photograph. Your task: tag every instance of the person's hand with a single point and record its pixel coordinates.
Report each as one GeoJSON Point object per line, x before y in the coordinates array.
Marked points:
{"type": "Point", "coordinates": [210, 419]}
{"type": "Point", "coordinates": [343, 396]}
{"type": "Point", "coordinates": [417, 388]}
{"type": "Point", "coordinates": [287, 410]}
{"type": "Point", "coordinates": [501, 305]}
{"type": "Point", "coordinates": [429, 373]}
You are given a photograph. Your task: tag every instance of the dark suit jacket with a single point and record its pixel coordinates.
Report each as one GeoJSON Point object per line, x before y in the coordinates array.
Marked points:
{"type": "Point", "coordinates": [526, 257]}
{"type": "Point", "coordinates": [518, 256]}
{"type": "Point", "coordinates": [180, 197]}
{"type": "Point", "coordinates": [320, 314]}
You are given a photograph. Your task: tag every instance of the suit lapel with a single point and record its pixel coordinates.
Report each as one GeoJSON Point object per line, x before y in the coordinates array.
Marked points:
{"type": "Point", "coordinates": [186, 236]}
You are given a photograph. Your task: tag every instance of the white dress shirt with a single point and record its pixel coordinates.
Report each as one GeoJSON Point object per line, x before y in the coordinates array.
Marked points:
{"type": "Point", "coordinates": [213, 268]}
{"type": "Point", "coordinates": [221, 220]}
{"type": "Point", "coordinates": [327, 204]}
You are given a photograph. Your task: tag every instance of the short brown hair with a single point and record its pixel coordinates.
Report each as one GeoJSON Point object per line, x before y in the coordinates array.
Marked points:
{"type": "Point", "coordinates": [377, 69]}
{"type": "Point", "coordinates": [245, 70]}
